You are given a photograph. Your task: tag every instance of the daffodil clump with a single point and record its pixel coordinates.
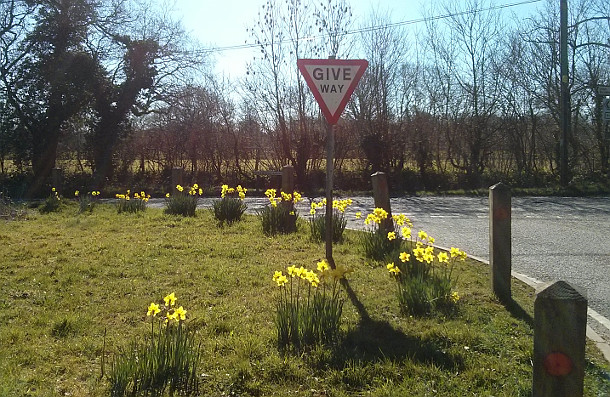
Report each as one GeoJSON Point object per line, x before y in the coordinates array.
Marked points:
{"type": "Point", "coordinates": [424, 274]}
{"type": "Point", "coordinates": [86, 202]}
{"type": "Point", "coordinates": [309, 305]}
{"type": "Point", "coordinates": [280, 216]}
{"type": "Point", "coordinates": [127, 203]}
{"type": "Point", "coordinates": [230, 208]}
{"type": "Point", "coordinates": [317, 220]}
{"type": "Point", "coordinates": [52, 203]}
{"type": "Point", "coordinates": [377, 241]}
{"type": "Point", "coordinates": [166, 361]}
{"type": "Point", "coordinates": [184, 202]}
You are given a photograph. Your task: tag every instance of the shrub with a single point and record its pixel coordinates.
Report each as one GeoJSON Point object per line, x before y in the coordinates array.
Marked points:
{"type": "Point", "coordinates": [309, 306]}
{"type": "Point", "coordinates": [52, 203]}
{"type": "Point", "coordinates": [184, 202]}
{"type": "Point", "coordinates": [279, 216]}
{"type": "Point", "coordinates": [168, 359]}
{"type": "Point", "coordinates": [86, 202]}
{"type": "Point", "coordinates": [128, 204]}
{"type": "Point", "coordinates": [10, 211]}
{"type": "Point", "coordinates": [317, 222]}
{"type": "Point", "coordinates": [230, 209]}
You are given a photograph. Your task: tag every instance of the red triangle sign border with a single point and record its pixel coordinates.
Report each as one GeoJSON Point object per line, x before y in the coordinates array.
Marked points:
{"type": "Point", "coordinates": [361, 64]}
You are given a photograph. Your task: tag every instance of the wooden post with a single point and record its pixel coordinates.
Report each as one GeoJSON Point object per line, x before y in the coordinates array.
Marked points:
{"type": "Point", "coordinates": [288, 185]}
{"type": "Point", "coordinates": [381, 195]}
{"type": "Point", "coordinates": [176, 178]}
{"type": "Point", "coordinates": [288, 179]}
{"type": "Point", "coordinates": [560, 322]}
{"type": "Point", "coordinates": [57, 180]}
{"type": "Point", "coordinates": [500, 240]}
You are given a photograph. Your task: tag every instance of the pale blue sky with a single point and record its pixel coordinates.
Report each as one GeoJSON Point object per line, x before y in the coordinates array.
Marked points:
{"type": "Point", "coordinates": [220, 23]}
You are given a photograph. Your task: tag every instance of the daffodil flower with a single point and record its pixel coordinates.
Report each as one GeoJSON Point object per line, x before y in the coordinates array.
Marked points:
{"type": "Point", "coordinates": [180, 313]}
{"type": "Point", "coordinates": [153, 309]}
{"type": "Point", "coordinates": [443, 257]}
{"type": "Point", "coordinates": [170, 300]}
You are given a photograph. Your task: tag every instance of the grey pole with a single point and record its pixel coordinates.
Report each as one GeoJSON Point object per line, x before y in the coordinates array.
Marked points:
{"type": "Point", "coordinates": [564, 105]}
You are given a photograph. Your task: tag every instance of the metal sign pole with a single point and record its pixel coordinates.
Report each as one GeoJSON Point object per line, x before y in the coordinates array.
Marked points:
{"type": "Point", "coordinates": [330, 154]}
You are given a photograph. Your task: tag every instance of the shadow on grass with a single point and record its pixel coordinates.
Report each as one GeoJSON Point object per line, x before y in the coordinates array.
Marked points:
{"type": "Point", "coordinates": [517, 311]}
{"type": "Point", "coordinates": [374, 340]}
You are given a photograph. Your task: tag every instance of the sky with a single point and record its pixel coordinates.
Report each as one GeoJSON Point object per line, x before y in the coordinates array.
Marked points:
{"type": "Point", "coordinates": [221, 23]}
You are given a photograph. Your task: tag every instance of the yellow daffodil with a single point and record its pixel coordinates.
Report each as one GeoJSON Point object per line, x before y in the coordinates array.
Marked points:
{"type": "Point", "coordinates": [393, 269]}
{"type": "Point", "coordinates": [323, 265]}
{"type": "Point", "coordinates": [179, 188]}
{"type": "Point", "coordinates": [454, 297]}
{"type": "Point", "coordinates": [171, 316]}
{"type": "Point", "coordinates": [180, 313]}
{"type": "Point", "coordinates": [419, 254]}
{"type": "Point", "coordinates": [339, 272]}
{"type": "Point", "coordinates": [404, 257]}
{"type": "Point", "coordinates": [153, 309]}
{"type": "Point", "coordinates": [76, 193]}
{"type": "Point", "coordinates": [443, 257]}
{"type": "Point", "coordinates": [170, 300]}
{"type": "Point", "coordinates": [391, 236]}
{"type": "Point", "coordinates": [296, 197]}
{"type": "Point", "coordinates": [292, 270]}
{"type": "Point", "coordinates": [312, 211]}
{"type": "Point", "coordinates": [422, 235]}
{"type": "Point", "coordinates": [358, 215]}
{"type": "Point", "coordinates": [281, 281]}
{"type": "Point", "coordinates": [406, 232]}
{"type": "Point", "coordinates": [166, 195]}
{"type": "Point", "coordinates": [454, 252]}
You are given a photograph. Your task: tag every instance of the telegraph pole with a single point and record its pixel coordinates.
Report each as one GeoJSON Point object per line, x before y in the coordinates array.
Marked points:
{"type": "Point", "coordinates": [564, 104]}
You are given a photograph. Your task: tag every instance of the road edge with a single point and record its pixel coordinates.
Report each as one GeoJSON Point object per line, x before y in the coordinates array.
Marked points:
{"type": "Point", "coordinates": [601, 344]}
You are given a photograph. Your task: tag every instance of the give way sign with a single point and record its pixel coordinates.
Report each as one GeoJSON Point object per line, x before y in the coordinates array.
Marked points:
{"type": "Point", "coordinates": [332, 82]}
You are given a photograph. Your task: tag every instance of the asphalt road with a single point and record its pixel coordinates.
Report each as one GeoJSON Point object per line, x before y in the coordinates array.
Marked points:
{"type": "Point", "coordinates": [553, 238]}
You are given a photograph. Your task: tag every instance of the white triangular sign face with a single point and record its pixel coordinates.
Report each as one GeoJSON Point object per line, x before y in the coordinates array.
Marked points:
{"type": "Point", "coordinates": [332, 82]}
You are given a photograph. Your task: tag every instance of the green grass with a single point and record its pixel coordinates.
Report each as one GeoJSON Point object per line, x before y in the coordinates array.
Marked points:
{"type": "Point", "coordinates": [66, 279]}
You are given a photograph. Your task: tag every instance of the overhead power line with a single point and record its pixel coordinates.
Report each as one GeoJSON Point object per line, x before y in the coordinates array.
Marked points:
{"type": "Point", "coordinates": [373, 28]}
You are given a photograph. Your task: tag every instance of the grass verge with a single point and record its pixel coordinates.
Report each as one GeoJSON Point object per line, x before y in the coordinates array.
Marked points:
{"type": "Point", "coordinates": [67, 279]}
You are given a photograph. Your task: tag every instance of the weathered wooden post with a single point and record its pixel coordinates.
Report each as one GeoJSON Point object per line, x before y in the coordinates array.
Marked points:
{"type": "Point", "coordinates": [288, 179]}
{"type": "Point", "coordinates": [57, 180]}
{"type": "Point", "coordinates": [560, 322]}
{"type": "Point", "coordinates": [500, 240]}
{"type": "Point", "coordinates": [381, 195]}
{"type": "Point", "coordinates": [176, 178]}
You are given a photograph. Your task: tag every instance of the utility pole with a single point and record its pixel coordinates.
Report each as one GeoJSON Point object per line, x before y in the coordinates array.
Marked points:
{"type": "Point", "coordinates": [564, 100]}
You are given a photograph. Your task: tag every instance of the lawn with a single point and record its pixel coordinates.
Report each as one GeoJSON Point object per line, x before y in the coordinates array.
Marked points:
{"type": "Point", "coordinates": [76, 287]}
